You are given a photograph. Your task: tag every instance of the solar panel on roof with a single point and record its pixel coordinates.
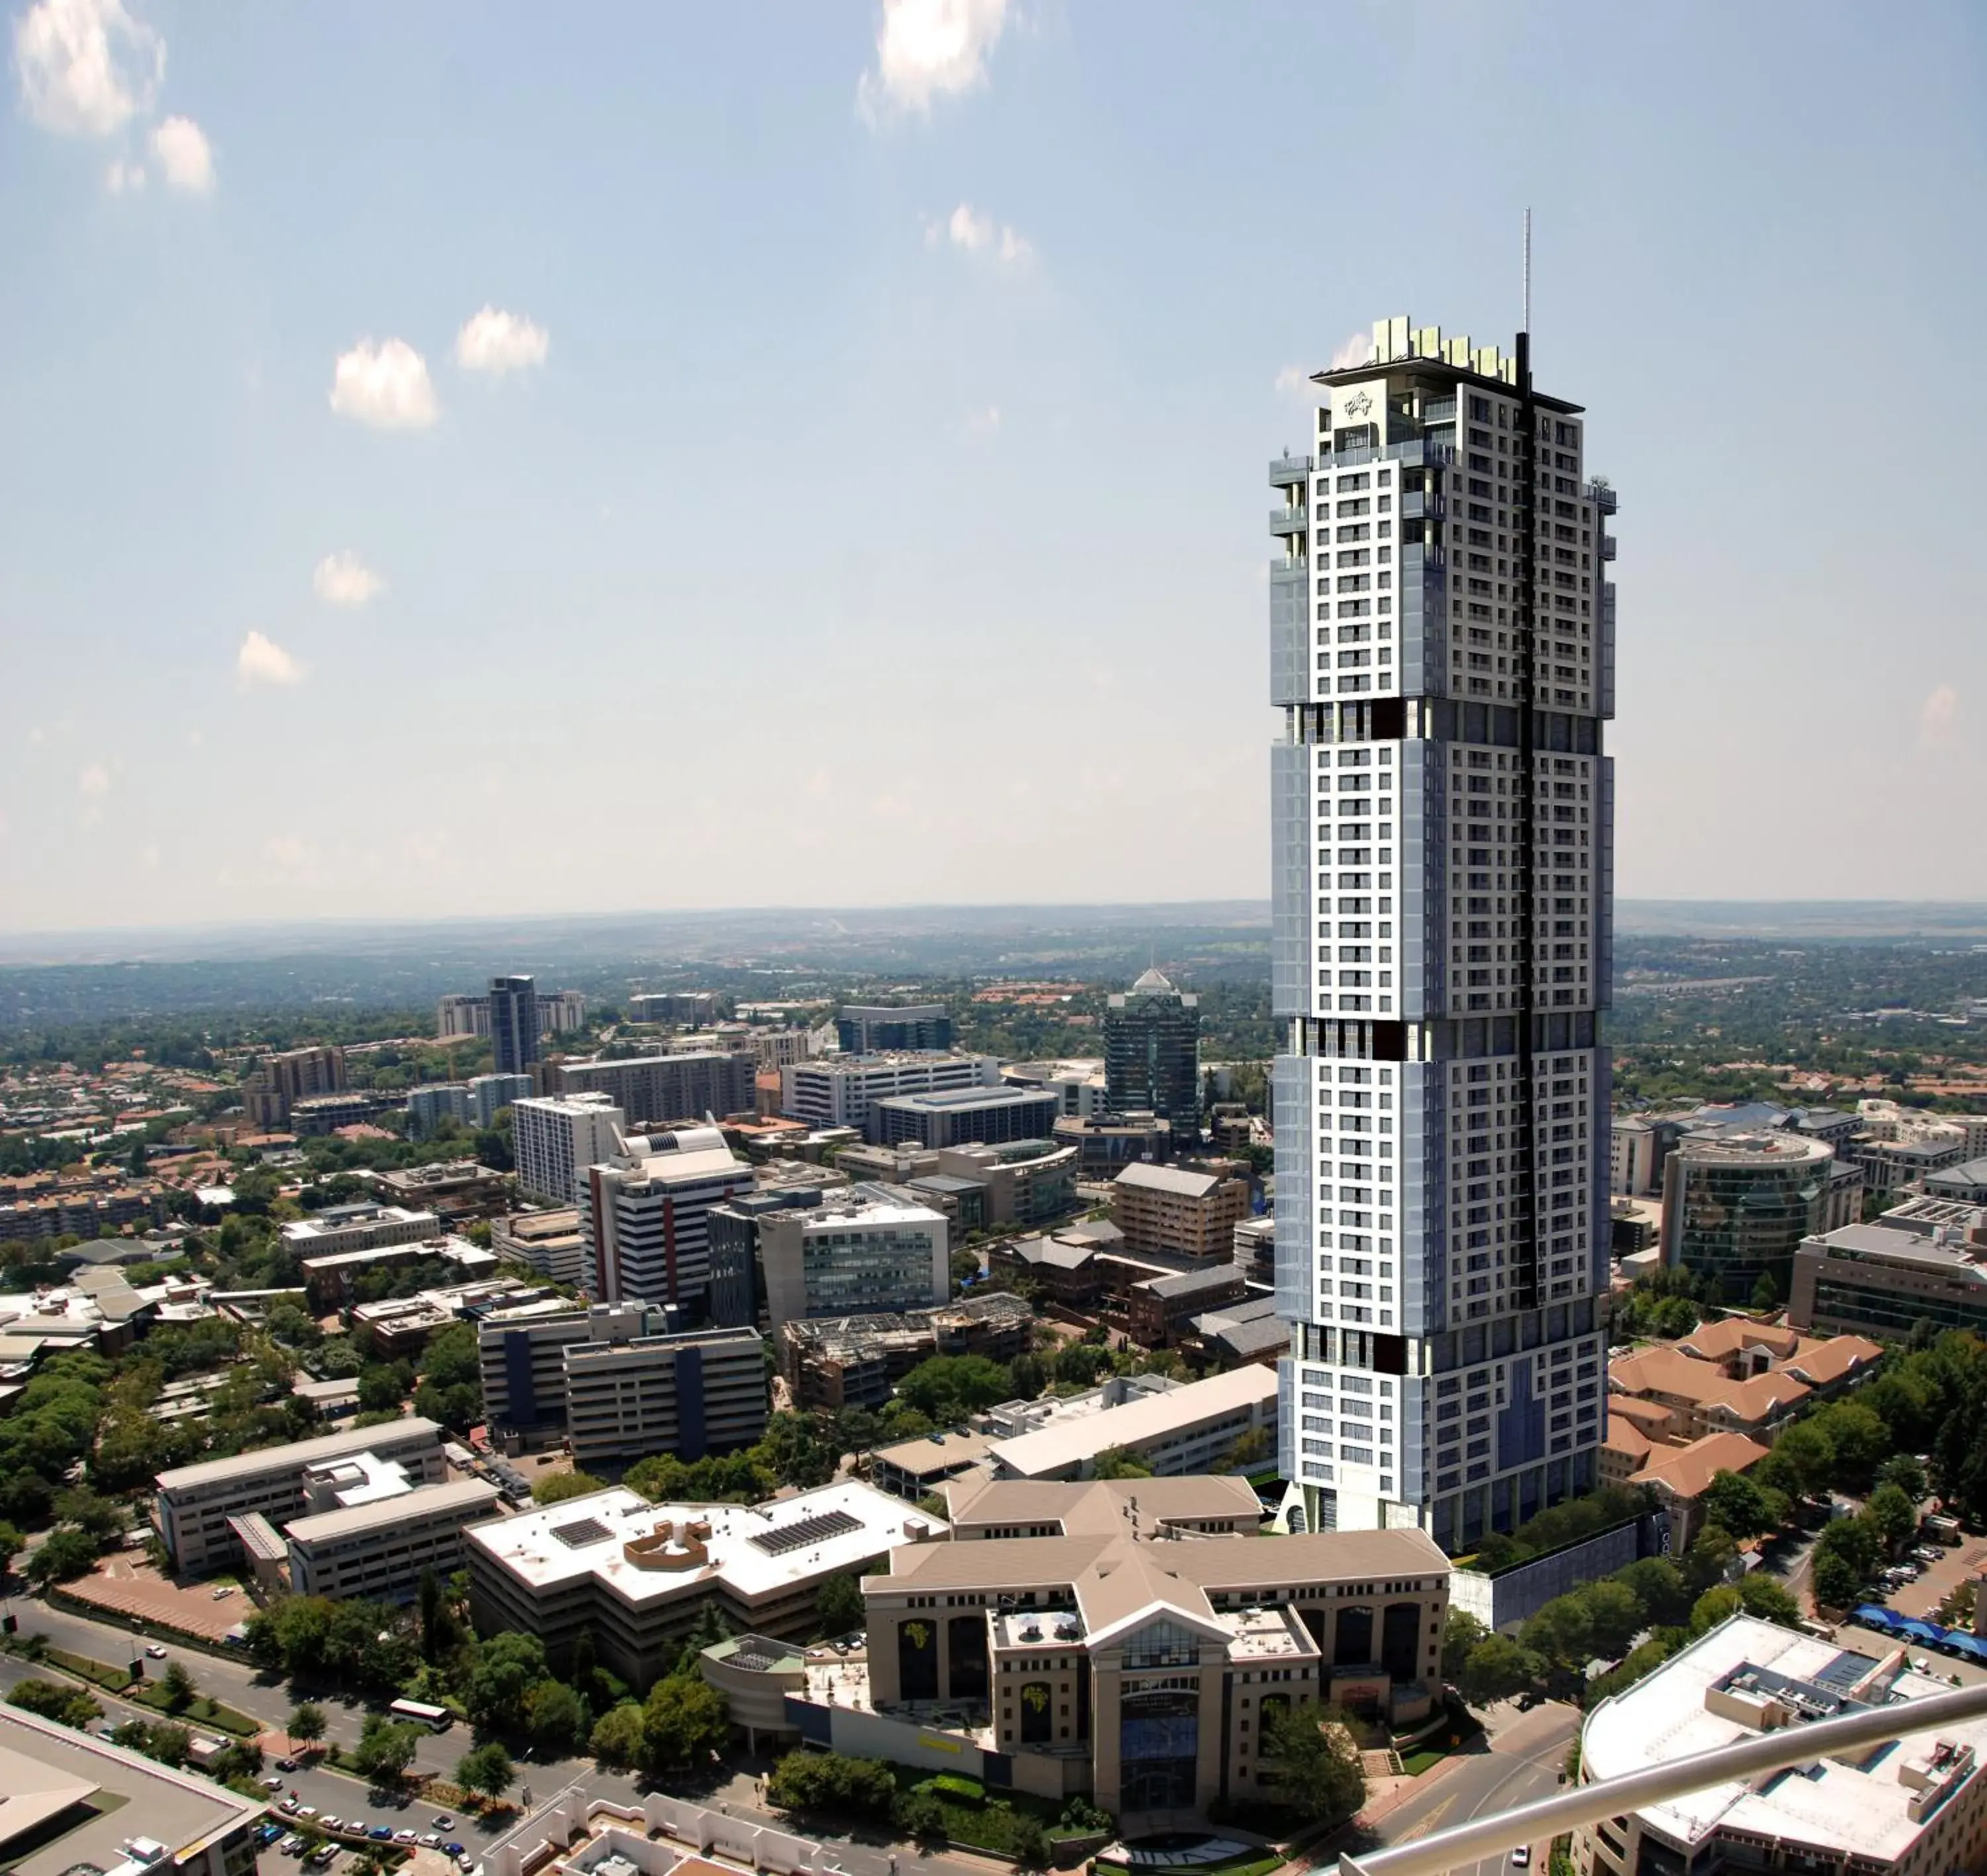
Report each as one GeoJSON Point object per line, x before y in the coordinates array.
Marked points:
{"type": "Point", "coordinates": [581, 1532]}
{"type": "Point", "coordinates": [808, 1530]}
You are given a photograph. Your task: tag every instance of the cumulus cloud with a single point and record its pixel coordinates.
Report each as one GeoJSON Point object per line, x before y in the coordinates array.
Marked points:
{"type": "Point", "coordinates": [262, 661]}
{"type": "Point", "coordinates": [1938, 719]}
{"type": "Point", "coordinates": [343, 579]}
{"type": "Point", "coordinates": [386, 386]}
{"type": "Point", "coordinates": [966, 228]}
{"type": "Point", "coordinates": [85, 67]}
{"type": "Point", "coordinates": [1356, 350]}
{"type": "Point", "coordinates": [184, 155]}
{"type": "Point", "coordinates": [929, 49]}
{"type": "Point", "coordinates": [123, 178]}
{"type": "Point", "coordinates": [94, 783]}
{"type": "Point", "coordinates": [500, 342]}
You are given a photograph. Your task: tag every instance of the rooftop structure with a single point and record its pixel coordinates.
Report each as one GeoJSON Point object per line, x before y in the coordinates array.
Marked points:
{"type": "Point", "coordinates": [963, 1117]}
{"type": "Point", "coordinates": [1187, 1429]}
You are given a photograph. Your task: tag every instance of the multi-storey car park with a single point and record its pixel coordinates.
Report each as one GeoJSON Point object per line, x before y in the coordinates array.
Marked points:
{"type": "Point", "coordinates": [1441, 637]}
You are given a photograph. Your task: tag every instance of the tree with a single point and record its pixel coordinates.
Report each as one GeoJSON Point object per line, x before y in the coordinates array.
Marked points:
{"type": "Point", "coordinates": [1314, 1757]}
{"type": "Point", "coordinates": [10, 1544]}
{"type": "Point", "coordinates": [684, 1721]}
{"type": "Point", "coordinates": [56, 1700]}
{"type": "Point", "coordinates": [1769, 1599]}
{"type": "Point", "coordinates": [1116, 1462]}
{"type": "Point", "coordinates": [103, 1518]}
{"type": "Point", "coordinates": [1715, 1606]}
{"type": "Point", "coordinates": [811, 1781]}
{"type": "Point", "coordinates": [1893, 1514]}
{"type": "Point", "coordinates": [921, 1817]}
{"type": "Point", "coordinates": [1844, 1555]}
{"type": "Point", "coordinates": [555, 1717]}
{"type": "Point", "coordinates": [1808, 1456]}
{"type": "Point", "coordinates": [1614, 1615]}
{"type": "Point", "coordinates": [1499, 1669]}
{"type": "Point", "coordinates": [486, 1769]}
{"type": "Point", "coordinates": [386, 1748]}
{"type": "Point", "coordinates": [1765, 1292]}
{"type": "Point", "coordinates": [1659, 1586]}
{"type": "Point", "coordinates": [1026, 1376]}
{"type": "Point", "coordinates": [1710, 1558]}
{"type": "Point", "coordinates": [306, 1723]}
{"type": "Point", "coordinates": [1858, 1439]}
{"type": "Point", "coordinates": [839, 1604]}
{"type": "Point", "coordinates": [507, 1666]}
{"type": "Point", "coordinates": [177, 1686]}
{"type": "Point", "coordinates": [67, 1551]}
{"type": "Point", "coordinates": [380, 1391]}
{"type": "Point", "coordinates": [1028, 1843]}
{"type": "Point", "coordinates": [1733, 1501]}
{"type": "Point", "coordinates": [1903, 1471]}
{"type": "Point", "coordinates": [616, 1738]}
{"type": "Point", "coordinates": [1459, 1641]}
{"type": "Point", "coordinates": [554, 1488]}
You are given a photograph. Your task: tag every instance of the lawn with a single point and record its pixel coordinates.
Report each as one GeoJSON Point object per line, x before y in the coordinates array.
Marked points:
{"type": "Point", "coordinates": [200, 1711]}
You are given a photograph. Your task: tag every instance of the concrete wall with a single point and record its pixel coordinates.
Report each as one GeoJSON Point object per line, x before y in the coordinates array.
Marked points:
{"type": "Point", "coordinates": [1505, 1601]}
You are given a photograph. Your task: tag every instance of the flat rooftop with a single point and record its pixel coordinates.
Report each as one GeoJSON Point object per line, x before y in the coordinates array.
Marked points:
{"type": "Point", "coordinates": [754, 1549]}
{"type": "Point", "coordinates": [1858, 1802]}
{"type": "Point", "coordinates": [296, 1455]}
{"type": "Point", "coordinates": [1136, 1423]}
{"type": "Point", "coordinates": [465, 1497]}
{"type": "Point", "coordinates": [106, 1794]}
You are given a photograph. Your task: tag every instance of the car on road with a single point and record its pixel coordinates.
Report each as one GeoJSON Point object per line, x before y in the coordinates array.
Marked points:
{"type": "Point", "coordinates": [444, 1822]}
{"type": "Point", "coordinates": [154, 1651]}
{"type": "Point", "coordinates": [453, 1850]}
{"type": "Point", "coordinates": [272, 1783]}
{"type": "Point", "coordinates": [286, 1765]}
{"type": "Point", "coordinates": [1521, 1857]}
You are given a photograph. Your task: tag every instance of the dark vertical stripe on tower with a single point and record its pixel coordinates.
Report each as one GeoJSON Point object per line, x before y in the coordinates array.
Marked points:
{"type": "Point", "coordinates": [1525, 1284]}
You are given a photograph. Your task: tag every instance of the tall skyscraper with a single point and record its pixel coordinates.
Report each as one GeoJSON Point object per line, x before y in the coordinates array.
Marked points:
{"type": "Point", "coordinates": [1152, 1051]}
{"type": "Point", "coordinates": [513, 1023]}
{"type": "Point", "coordinates": [1442, 647]}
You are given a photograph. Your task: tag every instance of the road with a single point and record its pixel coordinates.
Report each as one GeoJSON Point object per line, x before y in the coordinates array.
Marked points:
{"type": "Point", "coordinates": [1522, 1763]}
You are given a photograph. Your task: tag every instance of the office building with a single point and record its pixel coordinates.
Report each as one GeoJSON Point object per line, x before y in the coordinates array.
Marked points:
{"type": "Point", "coordinates": [875, 1029]}
{"type": "Point", "coordinates": [839, 1090]}
{"type": "Point", "coordinates": [554, 1139]}
{"type": "Point", "coordinates": [1127, 1639]}
{"type": "Point", "coordinates": [1912, 1803]}
{"type": "Point", "coordinates": [647, 1208]}
{"type": "Point", "coordinates": [637, 1576]}
{"type": "Point", "coordinates": [378, 1549]}
{"type": "Point", "coordinates": [1152, 1051]}
{"type": "Point", "coordinates": [861, 1250]}
{"type": "Point", "coordinates": [433, 1102]}
{"type": "Point", "coordinates": [513, 1023]}
{"type": "Point", "coordinates": [72, 1801]}
{"type": "Point", "coordinates": [521, 1351]}
{"type": "Point", "coordinates": [1079, 1086]}
{"type": "Point", "coordinates": [195, 1505]}
{"type": "Point", "coordinates": [694, 1007]}
{"type": "Point", "coordinates": [655, 1091]}
{"type": "Point", "coordinates": [552, 1242]}
{"type": "Point", "coordinates": [707, 1391]}
{"type": "Point", "coordinates": [458, 1191]}
{"type": "Point", "coordinates": [1736, 1206]}
{"type": "Point", "coordinates": [360, 1226]}
{"type": "Point", "coordinates": [1186, 1429]}
{"type": "Point", "coordinates": [1169, 1208]}
{"type": "Point", "coordinates": [1923, 1261]}
{"type": "Point", "coordinates": [1106, 1143]}
{"type": "Point", "coordinates": [1161, 1309]}
{"type": "Point", "coordinates": [1442, 817]}
{"type": "Point", "coordinates": [964, 1117]}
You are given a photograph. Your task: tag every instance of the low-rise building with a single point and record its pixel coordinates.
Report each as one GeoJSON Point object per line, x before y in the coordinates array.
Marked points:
{"type": "Point", "coordinates": [839, 1090]}
{"type": "Point", "coordinates": [1965, 1182]}
{"type": "Point", "coordinates": [864, 1250]}
{"type": "Point", "coordinates": [963, 1117]}
{"type": "Point", "coordinates": [1163, 1308]}
{"type": "Point", "coordinates": [913, 1468]}
{"type": "Point", "coordinates": [1248, 1330]}
{"type": "Point", "coordinates": [323, 1114]}
{"type": "Point", "coordinates": [706, 1391]}
{"type": "Point", "coordinates": [1170, 1209]}
{"type": "Point", "coordinates": [194, 1504]}
{"type": "Point", "coordinates": [1914, 1803]}
{"type": "Point", "coordinates": [552, 1242]}
{"type": "Point", "coordinates": [1187, 1429]}
{"type": "Point", "coordinates": [1924, 1261]}
{"type": "Point", "coordinates": [379, 1548]}
{"type": "Point", "coordinates": [636, 1577]}
{"type": "Point", "coordinates": [330, 1278]}
{"type": "Point", "coordinates": [855, 1360]}
{"type": "Point", "coordinates": [1702, 1399]}
{"type": "Point", "coordinates": [364, 1225]}
{"type": "Point", "coordinates": [458, 1191]}
{"type": "Point", "coordinates": [1107, 1142]}
{"type": "Point", "coordinates": [1680, 1475]}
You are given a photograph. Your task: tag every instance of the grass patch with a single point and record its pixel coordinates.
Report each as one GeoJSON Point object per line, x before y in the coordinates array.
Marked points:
{"type": "Point", "coordinates": [1415, 1764]}
{"type": "Point", "coordinates": [986, 1823]}
{"type": "Point", "coordinates": [200, 1711]}
{"type": "Point", "coordinates": [101, 1674]}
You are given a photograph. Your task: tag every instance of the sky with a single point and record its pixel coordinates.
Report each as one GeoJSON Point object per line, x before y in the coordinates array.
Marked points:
{"type": "Point", "coordinates": [468, 460]}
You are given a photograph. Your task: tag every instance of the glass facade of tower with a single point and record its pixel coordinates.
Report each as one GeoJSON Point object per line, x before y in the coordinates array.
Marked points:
{"type": "Point", "coordinates": [1152, 1051]}
{"type": "Point", "coordinates": [513, 1023]}
{"type": "Point", "coordinates": [1441, 822]}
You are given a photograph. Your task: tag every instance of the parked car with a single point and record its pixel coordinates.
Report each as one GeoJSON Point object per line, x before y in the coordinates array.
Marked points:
{"type": "Point", "coordinates": [272, 1783]}
{"type": "Point", "coordinates": [453, 1850]}
{"type": "Point", "coordinates": [288, 1804]}
{"type": "Point", "coordinates": [430, 1840]}
{"type": "Point", "coordinates": [325, 1854]}
{"type": "Point", "coordinates": [381, 1834]}
{"type": "Point", "coordinates": [290, 1844]}
{"type": "Point", "coordinates": [331, 1823]}
{"type": "Point", "coordinates": [268, 1834]}
{"type": "Point", "coordinates": [406, 1836]}
{"type": "Point", "coordinates": [1521, 1857]}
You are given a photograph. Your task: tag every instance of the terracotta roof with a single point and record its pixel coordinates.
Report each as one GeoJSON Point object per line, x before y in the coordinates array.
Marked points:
{"type": "Point", "coordinates": [1820, 1363]}
{"type": "Point", "coordinates": [1685, 1471]}
{"type": "Point", "coordinates": [1670, 1371]}
{"type": "Point", "coordinates": [1626, 1440]}
{"type": "Point", "coordinates": [1718, 1342]}
{"type": "Point", "coordinates": [1645, 1415]}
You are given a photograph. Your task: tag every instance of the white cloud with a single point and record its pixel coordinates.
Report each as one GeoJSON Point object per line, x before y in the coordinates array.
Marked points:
{"type": "Point", "coordinates": [123, 178]}
{"type": "Point", "coordinates": [1938, 719]}
{"type": "Point", "coordinates": [386, 386]}
{"type": "Point", "coordinates": [87, 67]}
{"type": "Point", "coordinates": [343, 579]}
{"type": "Point", "coordinates": [500, 342]}
{"type": "Point", "coordinates": [184, 155]}
{"type": "Point", "coordinates": [966, 228]}
{"type": "Point", "coordinates": [1356, 350]}
{"type": "Point", "coordinates": [1294, 381]}
{"type": "Point", "coordinates": [94, 783]}
{"type": "Point", "coordinates": [928, 48]}
{"type": "Point", "coordinates": [262, 661]}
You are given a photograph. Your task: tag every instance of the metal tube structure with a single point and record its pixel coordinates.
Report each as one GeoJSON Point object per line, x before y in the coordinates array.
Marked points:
{"type": "Point", "coordinates": [1796, 1744]}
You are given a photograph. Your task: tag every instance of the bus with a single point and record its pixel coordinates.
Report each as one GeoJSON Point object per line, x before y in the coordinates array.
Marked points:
{"type": "Point", "coordinates": [436, 1719]}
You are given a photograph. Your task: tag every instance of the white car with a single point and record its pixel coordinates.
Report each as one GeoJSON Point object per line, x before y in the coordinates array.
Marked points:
{"type": "Point", "coordinates": [154, 1651]}
{"type": "Point", "coordinates": [1521, 1857]}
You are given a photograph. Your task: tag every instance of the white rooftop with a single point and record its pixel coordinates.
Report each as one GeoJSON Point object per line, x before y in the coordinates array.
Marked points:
{"type": "Point", "coordinates": [585, 1537]}
{"type": "Point", "coordinates": [1137, 1423]}
{"type": "Point", "coordinates": [1858, 1802]}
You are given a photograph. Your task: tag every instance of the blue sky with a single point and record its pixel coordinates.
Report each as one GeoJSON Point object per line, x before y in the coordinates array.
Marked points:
{"type": "Point", "coordinates": [856, 491]}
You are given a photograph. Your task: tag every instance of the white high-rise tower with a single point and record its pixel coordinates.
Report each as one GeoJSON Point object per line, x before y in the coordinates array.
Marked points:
{"type": "Point", "coordinates": [1442, 647]}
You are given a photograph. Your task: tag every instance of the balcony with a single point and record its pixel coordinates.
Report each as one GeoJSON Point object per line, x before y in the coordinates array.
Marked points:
{"type": "Point", "coordinates": [1601, 495]}
{"type": "Point", "coordinates": [1607, 547]}
{"type": "Point", "coordinates": [1438, 410]}
{"type": "Point", "coordinates": [1286, 470]}
{"type": "Point", "coordinates": [1420, 503]}
{"type": "Point", "coordinates": [1289, 520]}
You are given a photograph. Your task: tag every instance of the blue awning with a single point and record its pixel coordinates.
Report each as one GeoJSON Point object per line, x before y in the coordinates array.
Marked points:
{"type": "Point", "coordinates": [1872, 1615]}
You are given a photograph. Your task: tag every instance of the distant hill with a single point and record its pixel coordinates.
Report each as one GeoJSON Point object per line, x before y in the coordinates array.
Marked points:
{"type": "Point", "coordinates": [1805, 918]}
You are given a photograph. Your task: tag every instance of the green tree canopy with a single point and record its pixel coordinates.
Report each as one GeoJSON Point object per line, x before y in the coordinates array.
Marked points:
{"type": "Point", "coordinates": [1315, 1760]}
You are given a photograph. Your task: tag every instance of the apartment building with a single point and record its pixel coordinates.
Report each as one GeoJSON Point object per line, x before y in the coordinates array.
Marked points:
{"type": "Point", "coordinates": [861, 1250]}
{"type": "Point", "coordinates": [559, 1012]}
{"type": "Point", "coordinates": [433, 1102]}
{"type": "Point", "coordinates": [379, 1550]}
{"type": "Point", "coordinates": [280, 1080]}
{"type": "Point", "coordinates": [1169, 1208]}
{"type": "Point", "coordinates": [648, 1213]}
{"type": "Point", "coordinates": [193, 1505]}
{"type": "Point", "coordinates": [840, 1090]}
{"type": "Point", "coordinates": [554, 1139]}
{"type": "Point", "coordinates": [1441, 648]}
{"type": "Point", "coordinates": [637, 1576]}
{"type": "Point", "coordinates": [707, 1391]}
{"type": "Point", "coordinates": [657, 1091]}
